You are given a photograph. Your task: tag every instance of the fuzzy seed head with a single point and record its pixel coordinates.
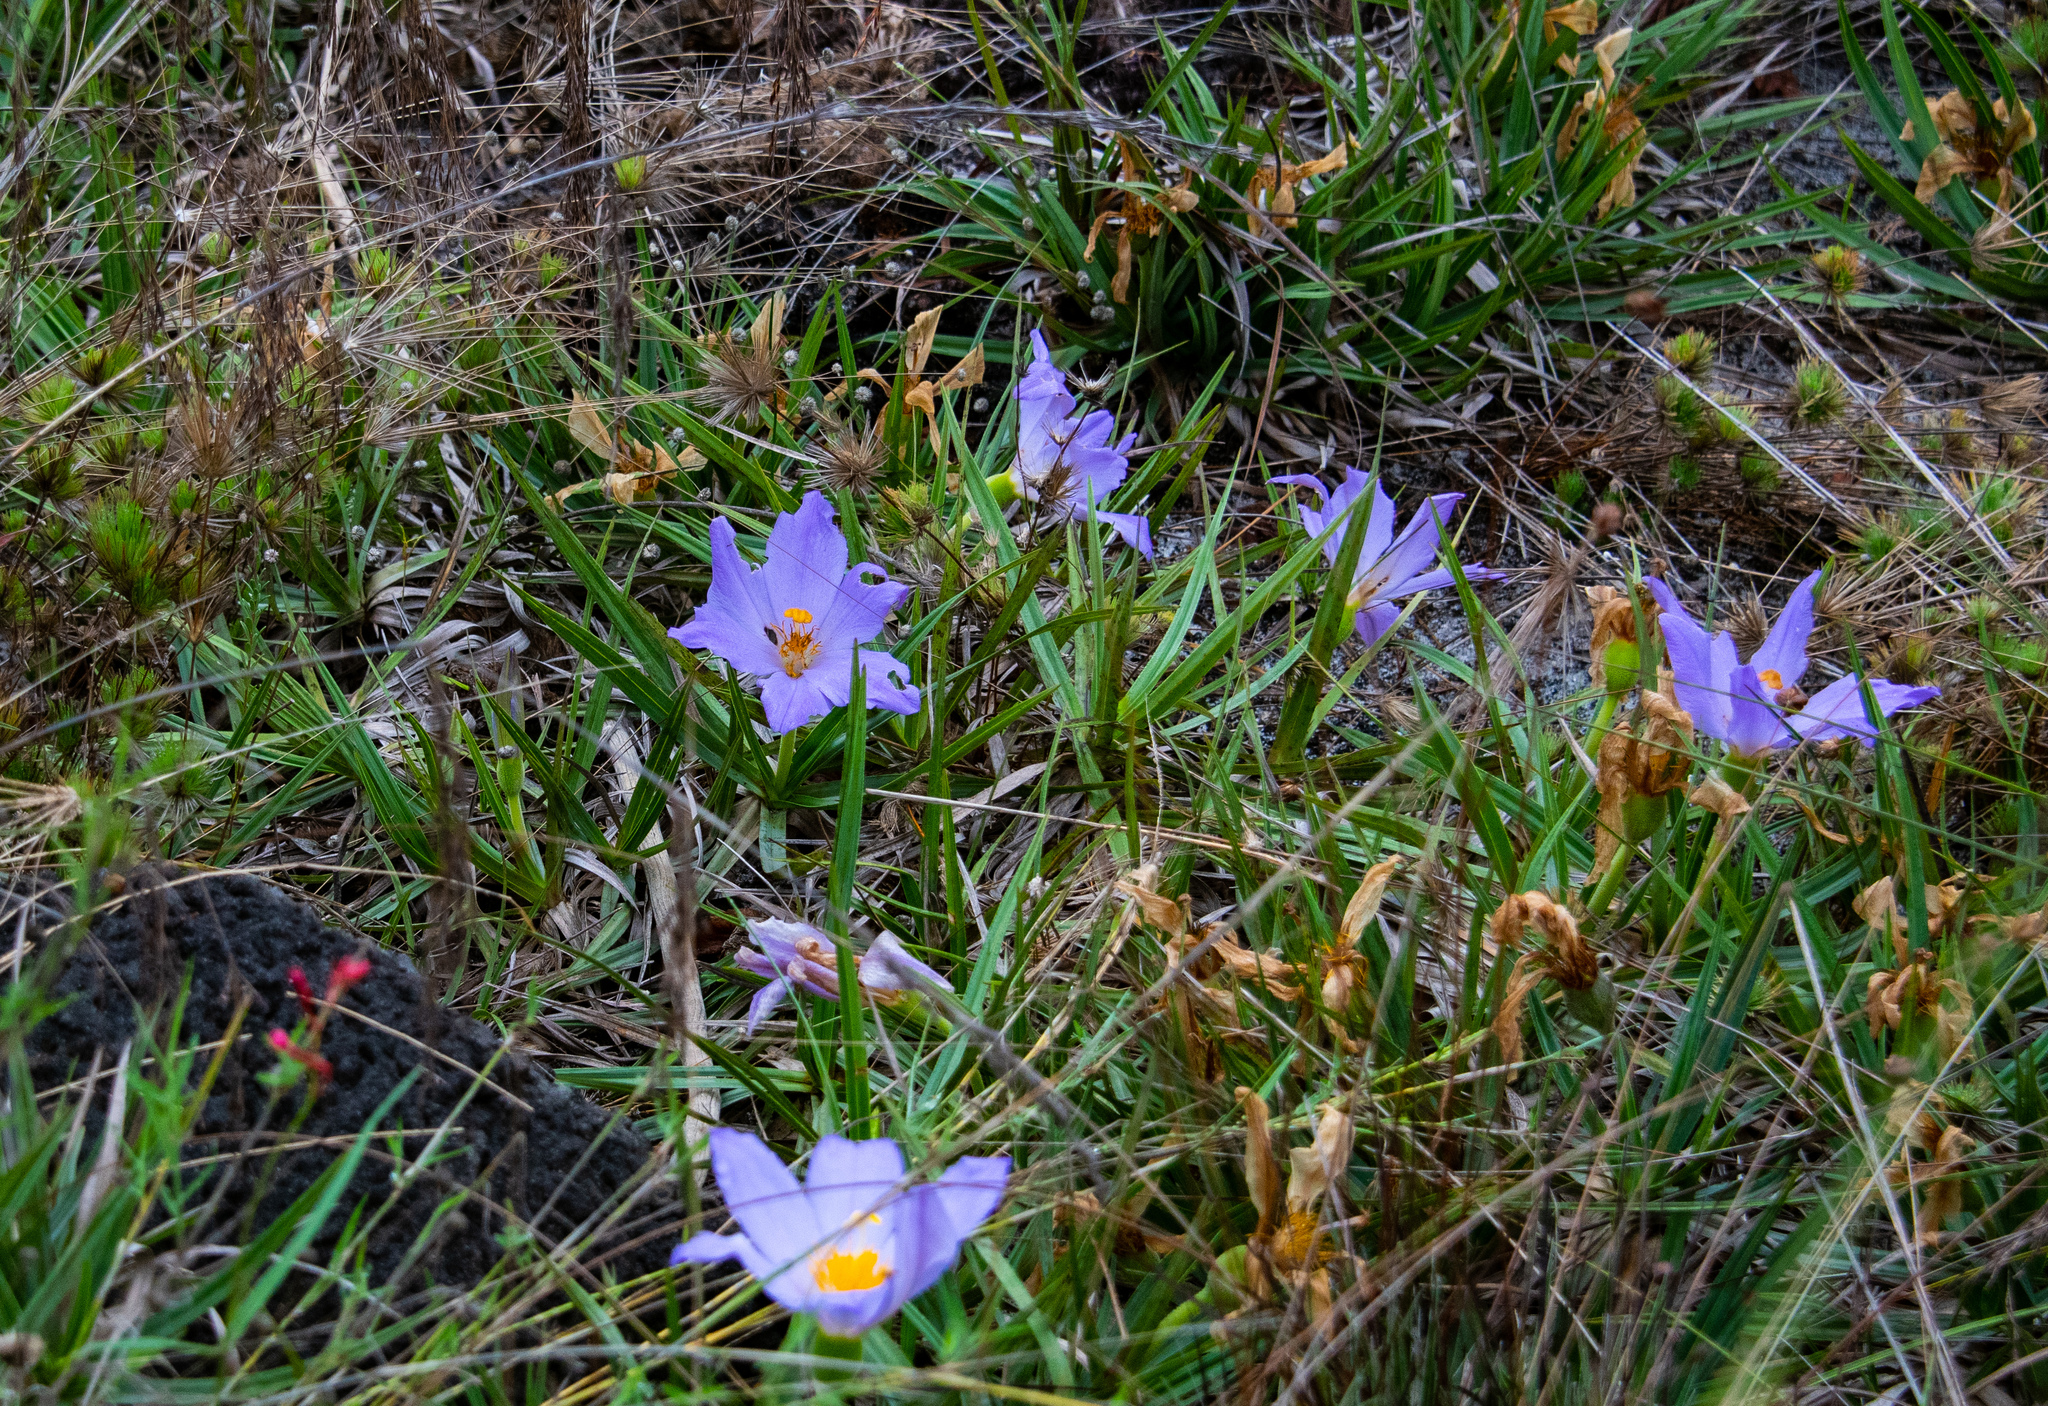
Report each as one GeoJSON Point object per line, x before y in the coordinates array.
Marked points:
{"type": "Point", "coordinates": [1876, 539]}
{"type": "Point", "coordinates": [741, 380]}
{"type": "Point", "coordinates": [1819, 395]}
{"type": "Point", "coordinates": [1839, 270]}
{"type": "Point", "coordinates": [1692, 353]}
{"type": "Point", "coordinates": [852, 458]}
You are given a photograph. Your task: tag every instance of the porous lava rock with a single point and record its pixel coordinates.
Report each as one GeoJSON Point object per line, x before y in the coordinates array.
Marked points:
{"type": "Point", "coordinates": [522, 1152]}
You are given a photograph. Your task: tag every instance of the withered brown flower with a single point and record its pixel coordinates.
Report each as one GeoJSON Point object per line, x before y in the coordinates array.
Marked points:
{"type": "Point", "coordinates": [1935, 1184]}
{"type": "Point", "coordinates": [1272, 188]}
{"type": "Point", "coordinates": [1290, 1245]}
{"type": "Point", "coordinates": [1619, 125]}
{"type": "Point", "coordinates": [639, 469]}
{"type": "Point", "coordinates": [1640, 760]}
{"type": "Point", "coordinates": [1970, 149]}
{"type": "Point", "coordinates": [1566, 957]}
{"type": "Point", "coordinates": [1136, 213]}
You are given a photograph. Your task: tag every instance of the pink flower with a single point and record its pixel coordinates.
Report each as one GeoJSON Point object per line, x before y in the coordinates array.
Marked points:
{"type": "Point", "coordinates": [315, 1064]}
{"type": "Point", "coordinates": [304, 990]}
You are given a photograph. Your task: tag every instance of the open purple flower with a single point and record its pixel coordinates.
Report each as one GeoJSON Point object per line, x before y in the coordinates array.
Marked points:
{"type": "Point", "coordinates": [1756, 706]}
{"type": "Point", "coordinates": [1066, 461]}
{"type": "Point", "coordinates": [1391, 565]}
{"type": "Point", "coordinates": [798, 622]}
{"type": "Point", "coordinates": [853, 1244]}
{"type": "Point", "coordinates": [796, 956]}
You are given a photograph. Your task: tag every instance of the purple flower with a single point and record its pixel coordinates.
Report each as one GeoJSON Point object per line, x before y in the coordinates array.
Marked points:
{"type": "Point", "coordinates": [797, 622]}
{"type": "Point", "coordinates": [1390, 566]}
{"type": "Point", "coordinates": [797, 956]}
{"type": "Point", "coordinates": [1756, 706]}
{"type": "Point", "coordinates": [853, 1244]}
{"type": "Point", "coordinates": [1066, 461]}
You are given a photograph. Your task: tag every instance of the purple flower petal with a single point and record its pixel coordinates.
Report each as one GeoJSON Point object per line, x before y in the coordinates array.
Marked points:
{"type": "Point", "coordinates": [706, 1247]}
{"type": "Point", "coordinates": [1411, 553]}
{"type": "Point", "coordinates": [766, 1001]}
{"type": "Point", "coordinates": [941, 1215]}
{"type": "Point", "coordinates": [858, 608]}
{"type": "Point", "coordinates": [1375, 620]}
{"type": "Point", "coordinates": [777, 938]}
{"type": "Point", "coordinates": [887, 966]}
{"type": "Point", "coordinates": [849, 1314]}
{"type": "Point", "coordinates": [806, 561]}
{"type": "Point", "coordinates": [1379, 525]}
{"type": "Point", "coordinates": [887, 681]}
{"type": "Point", "coordinates": [1838, 710]}
{"type": "Point", "coordinates": [788, 703]}
{"type": "Point", "coordinates": [733, 622]}
{"type": "Point", "coordinates": [1697, 671]}
{"type": "Point", "coordinates": [762, 1195]}
{"type": "Point", "coordinates": [1134, 528]}
{"type": "Point", "coordinates": [850, 1181]}
{"type": "Point", "coordinates": [970, 1191]}
{"type": "Point", "coordinates": [1438, 579]}
{"type": "Point", "coordinates": [783, 942]}
{"type": "Point", "coordinates": [1754, 724]}
{"type": "Point", "coordinates": [1783, 651]}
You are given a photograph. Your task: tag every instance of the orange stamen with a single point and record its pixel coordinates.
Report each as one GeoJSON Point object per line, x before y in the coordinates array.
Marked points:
{"type": "Point", "coordinates": [1772, 679]}
{"type": "Point", "coordinates": [796, 642]}
{"type": "Point", "coordinates": [840, 1273]}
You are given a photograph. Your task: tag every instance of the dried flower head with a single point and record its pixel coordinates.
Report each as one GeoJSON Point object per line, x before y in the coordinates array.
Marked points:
{"type": "Point", "coordinates": [1614, 648]}
{"type": "Point", "coordinates": [1290, 1246]}
{"type": "Point", "coordinates": [1839, 270]}
{"type": "Point", "coordinates": [1138, 214]}
{"type": "Point", "coordinates": [1936, 1183]}
{"type": "Point", "coordinates": [851, 458]}
{"type": "Point", "coordinates": [637, 469]}
{"type": "Point", "coordinates": [742, 380]}
{"type": "Point", "coordinates": [1644, 305]}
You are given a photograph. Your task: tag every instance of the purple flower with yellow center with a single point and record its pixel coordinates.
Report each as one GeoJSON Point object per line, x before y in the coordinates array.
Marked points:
{"type": "Point", "coordinates": [852, 1244]}
{"type": "Point", "coordinates": [1756, 706]}
{"type": "Point", "coordinates": [798, 957]}
{"type": "Point", "coordinates": [797, 622]}
{"type": "Point", "coordinates": [1065, 462]}
{"type": "Point", "coordinates": [1391, 565]}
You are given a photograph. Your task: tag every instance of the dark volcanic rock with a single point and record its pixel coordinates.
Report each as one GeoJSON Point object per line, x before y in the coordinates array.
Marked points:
{"type": "Point", "coordinates": [523, 1150]}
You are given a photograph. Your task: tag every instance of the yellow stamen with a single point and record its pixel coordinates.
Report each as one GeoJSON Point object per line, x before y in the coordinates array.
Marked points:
{"type": "Point", "coordinates": [1773, 680]}
{"type": "Point", "coordinates": [795, 642]}
{"type": "Point", "coordinates": [840, 1273]}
